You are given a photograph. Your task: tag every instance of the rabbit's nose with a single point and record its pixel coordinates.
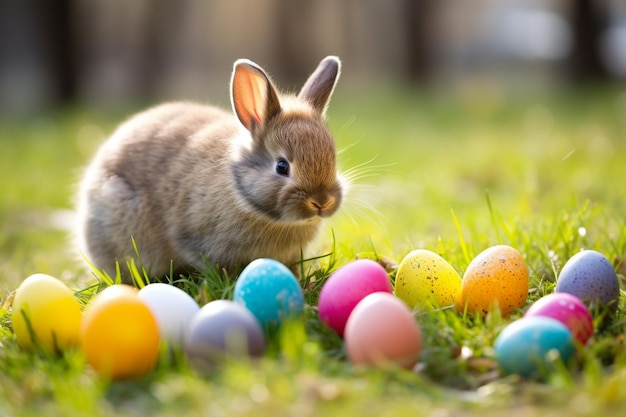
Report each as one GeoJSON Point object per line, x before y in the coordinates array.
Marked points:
{"type": "Point", "coordinates": [323, 205]}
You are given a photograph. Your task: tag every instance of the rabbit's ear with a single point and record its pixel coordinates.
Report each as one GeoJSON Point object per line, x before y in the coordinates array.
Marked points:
{"type": "Point", "coordinates": [253, 96]}
{"type": "Point", "coordinates": [320, 85]}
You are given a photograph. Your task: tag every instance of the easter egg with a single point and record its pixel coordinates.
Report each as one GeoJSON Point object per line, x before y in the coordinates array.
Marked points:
{"type": "Point", "coordinates": [172, 308]}
{"type": "Point", "coordinates": [567, 309]}
{"type": "Point", "coordinates": [498, 276]}
{"type": "Point", "coordinates": [382, 330]}
{"type": "Point", "coordinates": [427, 281]}
{"type": "Point", "coordinates": [590, 276]}
{"type": "Point", "coordinates": [270, 291]}
{"type": "Point", "coordinates": [119, 334]}
{"type": "Point", "coordinates": [525, 347]}
{"type": "Point", "coordinates": [348, 285]}
{"type": "Point", "coordinates": [45, 314]}
{"type": "Point", "coordinates": [222, 328]}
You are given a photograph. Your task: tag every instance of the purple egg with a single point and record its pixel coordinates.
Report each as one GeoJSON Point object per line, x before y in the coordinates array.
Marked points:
{"type": "Point", "coordinates": [223, 328]}
{"type": "Point", "coordinates": [590, 276]}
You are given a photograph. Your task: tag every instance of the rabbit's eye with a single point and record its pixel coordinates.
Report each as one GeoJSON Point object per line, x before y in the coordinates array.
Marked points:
{"type": "Point", "coordinates": [282, 168]}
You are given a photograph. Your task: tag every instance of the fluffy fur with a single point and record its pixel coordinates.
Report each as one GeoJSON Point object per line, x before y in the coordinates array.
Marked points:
{"type": "Point", "coordinates": [189, 181]}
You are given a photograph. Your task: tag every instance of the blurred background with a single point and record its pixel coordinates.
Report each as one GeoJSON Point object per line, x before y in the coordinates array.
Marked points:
{"type": "Point", "coordinates": [511, 113]}
{"type": "Point", "coordinates": [107, 52]}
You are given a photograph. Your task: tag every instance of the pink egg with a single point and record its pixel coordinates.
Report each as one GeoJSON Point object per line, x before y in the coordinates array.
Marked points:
{"type": "Point", "coordinates": [382, 330]}
{"type": "Point", "coordinates": [346, 287]}
{"type": "Point", "coordinates": [569, 310]}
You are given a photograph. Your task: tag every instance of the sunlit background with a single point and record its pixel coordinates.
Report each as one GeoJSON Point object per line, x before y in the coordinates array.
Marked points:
{"type": "Point", "coordinates": [446, 110]}
{"type": "Point", "coordinates": [107, 52]}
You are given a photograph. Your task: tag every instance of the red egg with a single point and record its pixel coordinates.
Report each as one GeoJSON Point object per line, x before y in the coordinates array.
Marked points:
{"type": "Point", "coordinates": [382, 330]}
{"type": "Point", "coordinates": [346, 287]}
{"type": "Point", "coordinates": [569, 310]}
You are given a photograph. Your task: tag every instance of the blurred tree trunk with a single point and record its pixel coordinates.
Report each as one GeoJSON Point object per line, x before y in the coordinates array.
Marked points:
{"type": "Point", "coordinates": [418, 14]}
{"type": "Point", "coordinates": [293, 43]}
{"type": "Point", "coordinates": [37, 60]}
{"type": "Point", "coordinates": [61, 47]}
{"type": "Point", "coordinates": [587, 25]}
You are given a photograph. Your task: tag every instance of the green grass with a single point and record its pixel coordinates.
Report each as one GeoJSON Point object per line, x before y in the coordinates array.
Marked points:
{"type": "Point", "coordinates": [454, 174]}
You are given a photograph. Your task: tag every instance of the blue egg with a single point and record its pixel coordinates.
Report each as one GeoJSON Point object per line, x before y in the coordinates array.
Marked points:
{"type": "Point", "coordinates": [525, 346]}
{"type": "Point", "coordinates": [270, 291]}
{"type": "Point", "coordinates": [590, 276]}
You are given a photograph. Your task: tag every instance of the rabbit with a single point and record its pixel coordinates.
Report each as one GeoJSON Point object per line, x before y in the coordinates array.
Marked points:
{"type": "Point", "coordinates": [191, 182]}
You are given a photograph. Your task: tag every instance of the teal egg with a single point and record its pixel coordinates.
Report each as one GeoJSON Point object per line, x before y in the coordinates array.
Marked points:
{"type": "Point", "coordinates": [527, 346]}
{"type": "Point", "coordinates": [270, 291]}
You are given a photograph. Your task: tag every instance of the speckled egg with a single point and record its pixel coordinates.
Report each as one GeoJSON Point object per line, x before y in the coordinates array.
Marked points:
{"type": "Point", "coordinates": [270, 291]}
{"type": "Point", "coordinates": [590, 276]}
{"type": "Point", "coordinates": [498, 276]}
{"type": "Point", "coordinates": [382, 330]}
{"type": "Point", "coordinates": [426, 280]}
{"type": "Point", "coordinates": [348, 285]}
{"type": "Point", "coordinates": [526, 347]}
{"type": "Point", "coordinates": [569, 310]}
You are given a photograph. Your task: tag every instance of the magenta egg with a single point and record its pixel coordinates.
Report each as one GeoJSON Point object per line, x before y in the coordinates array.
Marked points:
{"type": "Point", "coordinates": [569, 310]}
{"type": "Point", "coordinates": [346, 287]}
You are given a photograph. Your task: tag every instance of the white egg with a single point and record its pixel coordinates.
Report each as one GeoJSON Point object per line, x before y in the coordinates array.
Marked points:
{"type": "Point", "coordinates": [173, 309]}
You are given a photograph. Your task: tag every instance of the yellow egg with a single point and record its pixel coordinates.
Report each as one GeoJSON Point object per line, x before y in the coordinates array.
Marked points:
{"type": "Point", "coordinates": [425, 280]}
{"type": "Point", "coordinates": [497, 276]}
{"type": "Point", "coordinates": [45, 314]}
{"type": "Point", "coordinates": [119, 334]}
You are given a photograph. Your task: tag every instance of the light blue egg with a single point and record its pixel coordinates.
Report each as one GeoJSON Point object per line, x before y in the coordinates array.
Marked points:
{"type": "Point", "coordinates": [590, 276]}
{"type": "Point", "coordinates": [525, 346]}
{"type": "Point", "coordinates": [270, 291]}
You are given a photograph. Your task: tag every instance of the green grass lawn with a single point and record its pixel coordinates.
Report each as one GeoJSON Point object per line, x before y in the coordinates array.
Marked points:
{"type": "Point", "coordinates": [453, 174]}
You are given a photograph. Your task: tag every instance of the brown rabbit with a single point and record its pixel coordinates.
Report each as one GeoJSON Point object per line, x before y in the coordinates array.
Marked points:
{"type": "Point", "coordinates": [190, 181]}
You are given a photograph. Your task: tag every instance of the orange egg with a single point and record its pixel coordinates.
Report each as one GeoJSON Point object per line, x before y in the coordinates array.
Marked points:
{"type": "Point", "coordinates": [498, 276]}
{"type": "Point", "coordinates": [119, 334]}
